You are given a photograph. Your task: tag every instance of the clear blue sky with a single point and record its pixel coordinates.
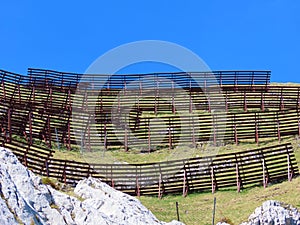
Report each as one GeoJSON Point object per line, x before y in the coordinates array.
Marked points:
{"type": "Point", "coordinates": [227, 35]}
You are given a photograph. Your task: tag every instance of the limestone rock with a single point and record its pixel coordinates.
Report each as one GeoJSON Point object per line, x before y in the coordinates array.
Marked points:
{"type": "Point", "coordinates": [24, 199]}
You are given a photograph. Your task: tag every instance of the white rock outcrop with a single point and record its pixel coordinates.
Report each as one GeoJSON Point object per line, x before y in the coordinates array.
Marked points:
{"type": "Point", "coordinates": [25, 200]}
{"type": "Point", "coordinates": [273, 213]}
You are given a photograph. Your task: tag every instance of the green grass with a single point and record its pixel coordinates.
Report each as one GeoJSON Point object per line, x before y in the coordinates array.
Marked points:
{"type": "Point", "coordinates": [196, 208]}
{"type": "Point", "coordinates": [136, 156]}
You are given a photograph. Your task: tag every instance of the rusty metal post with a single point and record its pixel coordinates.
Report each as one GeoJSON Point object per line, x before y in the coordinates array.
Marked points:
{"type": "Point", "coordinates": [214, 131]}
{"type": "Point", "coordinates": [160, 186]}
{"type": "Point", "coordinates": [19, 93]}
{"type": "Point", "coordinates": [278, 128]}
{"type": "Point", "coordinates": [170, 135]}
{"type": "Point", "coordinates": [245, 101]}
{"type": "Point", "coordinates": [289, 168]}
{"type": "Point", "coordinates": [69, 135]}
{"type": "Point", "coordinates": [184, 186]}
{"type": "Point", "coordinates": [265, 183]}
{"type": "Point", "coordinates": [105, 135]}
{"type": "Point", "coordinates": [8, 136]}
{"type": "Point", "coordinates": [256, 130]}
{"type": "Point", "coordinates": [262, 102]}
{"type": "Point", "coordinates": [213, 181]}
{"type": "Point", "coordinates": [49, 132]}
{"type": "Point", "coordinates": [238, 180]}
{"type": "Point", "coordinates": [226, 102]}
{"type": "Point", "coordinates": [138, 191]}
{"type": "Point", "coordinates": [298, 99]}
{"type": "Point", "coordinates": [30, 128]}
{"type": "Point", "coordinates": [281, 101]}
{"type": "Point", "coordinates": [3, 87]}
{"type": "Point", "coordinates": [208, 104]}
{"type": "Point", "coordinates": [149, 136]}
{"type": "Point", "coordinates": [111, 177]}
{"type": "Point", "coordinates": [126, 140]}
{"type": "Point", "coordinates": [190, 98]}
{"type": "Point", "coordinates": [64, 173]}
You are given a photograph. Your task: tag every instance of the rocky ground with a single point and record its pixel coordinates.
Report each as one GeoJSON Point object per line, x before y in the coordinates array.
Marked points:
{"type": "Point", "coordinates": [26, 200]}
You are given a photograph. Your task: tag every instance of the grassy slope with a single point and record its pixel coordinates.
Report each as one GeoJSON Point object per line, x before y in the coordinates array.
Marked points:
{"type": "Point", "coordinates": [197, 208]}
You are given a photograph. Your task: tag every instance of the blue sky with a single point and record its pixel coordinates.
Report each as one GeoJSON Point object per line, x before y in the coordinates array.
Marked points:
{"type": "Point", "coordinates": [227, 35]}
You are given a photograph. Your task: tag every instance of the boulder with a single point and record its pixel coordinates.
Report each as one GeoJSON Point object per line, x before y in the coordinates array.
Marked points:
{"type": "Point", "coordinates": [25, 199]}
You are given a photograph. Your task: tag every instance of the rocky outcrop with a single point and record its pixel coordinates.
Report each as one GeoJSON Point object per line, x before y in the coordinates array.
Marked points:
{"type": "Point", "coordinates": [26, 200]}
{"type": "Point", "coordinates": [273, 213]}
